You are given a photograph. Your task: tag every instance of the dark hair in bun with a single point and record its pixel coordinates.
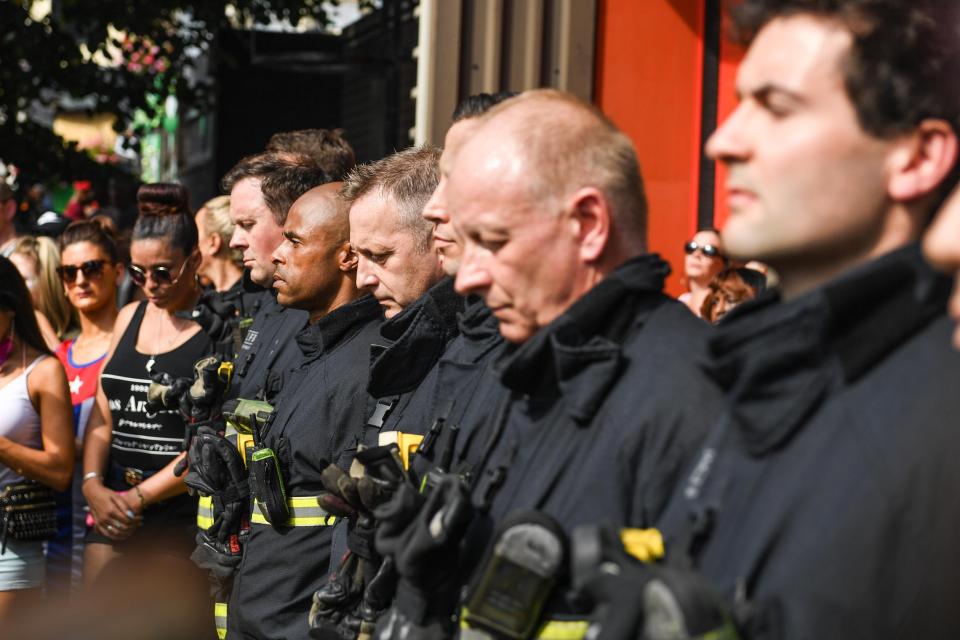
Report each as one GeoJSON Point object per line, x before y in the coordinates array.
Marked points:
{"type": "Point", "coordinates": [92, 231]}
{"type": "Point", "coordinates": [165, 213]}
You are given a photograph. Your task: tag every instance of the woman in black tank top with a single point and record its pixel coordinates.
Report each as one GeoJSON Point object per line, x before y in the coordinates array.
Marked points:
{"type": "Point", "coordinates": [129, 452]}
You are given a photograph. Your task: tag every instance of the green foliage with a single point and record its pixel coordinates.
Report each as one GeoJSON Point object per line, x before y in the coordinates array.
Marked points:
{"type": "Point", "coordinates": [157, 40]}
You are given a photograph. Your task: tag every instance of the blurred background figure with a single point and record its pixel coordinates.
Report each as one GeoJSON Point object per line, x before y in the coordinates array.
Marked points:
{"type": "Point", "coordinates": [50, 224]}
{"type": "Point", "coordinates": [771, 280]}
{"type": "Point", "coordinates": [35, 203]}
{"type": "Point", "coordinates": [8, 210]}
{"type": "Point", "coordinates": [38, 260]}
{"type": "Point", "coordinates": [36, 439]}
{"type": "Point", "coordinates": [90, 271]}
{"type": "Point", "coordinates": [220, 266]}
{"type": "Point", "coordinates": [83, 203]}
{"type": "Point", "coordinates": [731, 287]}
{"type": "Point", "coordinates": [138, 505]}
{"type": "Point", "coordinates": [140, 596]}
{"type": "Point", "coordinates": [704, 260]}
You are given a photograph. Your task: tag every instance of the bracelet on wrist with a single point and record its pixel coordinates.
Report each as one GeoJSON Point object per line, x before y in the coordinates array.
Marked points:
{"type": "Point", "coordinates": [90, 475]}
{"type": "Point", "coordinates": [143, 502]}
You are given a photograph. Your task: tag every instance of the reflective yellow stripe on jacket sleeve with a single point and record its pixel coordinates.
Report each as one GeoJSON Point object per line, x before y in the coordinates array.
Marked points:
{"type": "Point", "coordinates": [205, 512]}
{"type": "Point", "coordinates": [304, 512]}
{"type": "Point", "coordinates": [220, 617]}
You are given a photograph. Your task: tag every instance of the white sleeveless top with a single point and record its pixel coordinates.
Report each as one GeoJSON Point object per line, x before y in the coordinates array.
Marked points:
{"type": "Point", "coordinates": [19, 421]}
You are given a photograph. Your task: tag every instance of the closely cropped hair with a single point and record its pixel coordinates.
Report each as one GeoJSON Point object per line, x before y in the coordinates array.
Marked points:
{"type": "Point", "coordinates": [570, 144]}
{"type": "Point", "coordinates": [165, 213]}
{"type": "Point", "coordinates": [15, 296]}
{"type": "Point", "coordinates": [480, 103]}
{"type": "Point", "coordinates": [904, 63]}
{"type": "Point", "coordinates": [51, 300]}
{"type": "Point", "coordinates": [328, 148]}
{"type": "Point", "coordinates": [91, 231]}
{"type": "Point", "coordinates": [282, 187]}
{"type": "Point", "coordinates": [409, 177]}
{"type": "Point", "coordinates": [216, 221]}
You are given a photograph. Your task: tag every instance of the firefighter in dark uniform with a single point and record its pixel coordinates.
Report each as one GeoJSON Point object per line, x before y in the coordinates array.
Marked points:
{"type": "Point", "coordinates": [402, 377]}
{"type": "Point", "coordinates": [406, 365]}
{"type": "Point", "coordinates": [824, 504]}
{"type": "Point", "coordinates": [317, 413]}
{"type": "Point", "coordinates": [405, 371]}
{"type": "Point", "coordinates": [398, 265]}
{"type": "Point", "coordinates": [603, 402]}
{"type": "Point", "coordinates": [261, 188]}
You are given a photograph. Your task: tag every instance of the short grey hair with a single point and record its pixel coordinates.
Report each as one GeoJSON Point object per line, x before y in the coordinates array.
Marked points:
{"type": "Point", "coordinates": [409, 177]}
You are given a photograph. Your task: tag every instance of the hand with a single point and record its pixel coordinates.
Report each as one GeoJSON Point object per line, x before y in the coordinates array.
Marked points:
{"type": "Point", "coordinates": [111, 513]}
{"type": "Point", "coordinates": [423, 536]}
{"type": "Point", "coordinates": [132, 499]}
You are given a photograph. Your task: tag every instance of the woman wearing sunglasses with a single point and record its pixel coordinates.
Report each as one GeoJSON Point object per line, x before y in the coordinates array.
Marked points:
{"type": "Point", "coordinates": [36, 439]}
{"type": "Point", "coordinates": [89, 273]}
{"type": "Point", "coordinates": [704, 260]}
{"type": "Point", "coordinates": [137, 503]}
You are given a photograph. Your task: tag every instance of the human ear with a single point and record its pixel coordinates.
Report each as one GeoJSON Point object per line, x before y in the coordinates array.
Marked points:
{"type": "Point", "coordinates": [922, 160]}
{"type": "Point", "coordinates": [214, 243]}
{"type": "Point", "coordinates": [346, 258]}
{"type": "Point", "coordinates": [590, 217]}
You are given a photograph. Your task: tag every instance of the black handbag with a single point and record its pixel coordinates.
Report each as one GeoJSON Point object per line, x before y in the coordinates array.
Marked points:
{"type": "Point", "coordinates": [28, 511]}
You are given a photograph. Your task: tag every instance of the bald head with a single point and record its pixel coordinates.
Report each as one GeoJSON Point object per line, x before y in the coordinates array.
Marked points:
{"type": "Point", "coordinates": [550, 144]}
{"type": "Point", "coordinates": [314, 263]}
{"type": "Point", "coordinates": [547, 198]}
{"type": "Point", "coordinates": [323, 207]}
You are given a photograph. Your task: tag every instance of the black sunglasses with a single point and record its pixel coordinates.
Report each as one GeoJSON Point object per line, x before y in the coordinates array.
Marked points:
{"type": "Point", "coordinates": [708, 250]}
{"type": "Point", "coordinates": [160, 275]}
{"type": "Point", "coordinates": [91, 269]}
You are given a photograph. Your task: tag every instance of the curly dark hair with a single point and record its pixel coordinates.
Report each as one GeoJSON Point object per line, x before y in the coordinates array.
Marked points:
{"type": "Point", "coordinates": [904, 62]}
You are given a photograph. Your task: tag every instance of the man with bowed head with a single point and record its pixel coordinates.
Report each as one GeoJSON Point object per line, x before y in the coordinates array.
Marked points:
{"type": "Point", "coordinates": [548, 200]}
{"type": "Point", "coordinates": [397, 259]}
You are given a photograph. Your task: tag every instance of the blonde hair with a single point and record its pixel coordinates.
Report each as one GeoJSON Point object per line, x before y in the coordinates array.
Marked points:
{"type": "Point", "coordinates": [216, 221]}
{"type": "Point", "coordinates": [52, 301]}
